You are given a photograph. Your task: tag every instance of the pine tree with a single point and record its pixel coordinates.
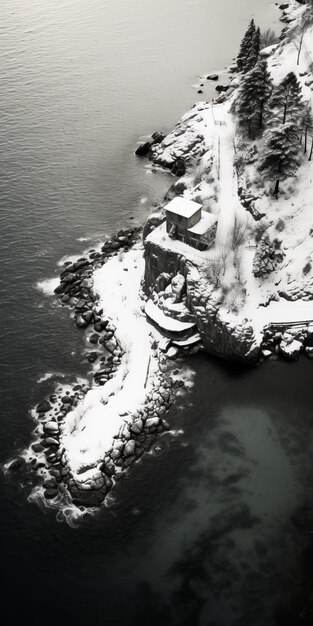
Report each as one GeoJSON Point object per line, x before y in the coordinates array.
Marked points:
{"type": "Point", "coordinates": [253, 53]}
{"type": "Point", "coordinates": [245, 45]}
{"type": "Point", "coordinates": [286, 102]}
{"type": "Point", "coordinates": [280, 157]}
{"type": "Point", "coordinates": [307, 125]}
{"type": "Point", "coordinates": [252, 100]}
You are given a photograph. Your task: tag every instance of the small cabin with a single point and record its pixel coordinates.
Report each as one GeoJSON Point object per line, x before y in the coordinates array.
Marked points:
{"type": "Point", "coordinates": [188, 222]}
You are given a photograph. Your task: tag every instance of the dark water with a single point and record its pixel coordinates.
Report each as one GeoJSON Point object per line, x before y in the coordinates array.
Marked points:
{"type": "Point", "coordinates": [205, 532]}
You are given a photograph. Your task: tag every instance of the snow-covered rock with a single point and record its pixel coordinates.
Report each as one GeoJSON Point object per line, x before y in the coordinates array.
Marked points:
{"type": "Point", "coordinates": [291, 349]}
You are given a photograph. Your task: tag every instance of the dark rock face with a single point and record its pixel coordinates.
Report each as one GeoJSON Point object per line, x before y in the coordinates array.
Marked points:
{"type": "Point", "coordinates": [219, 338]}
{"type": "Point", "coordinates": [179, 167]}
{"type": "Point", "coordinates": [221, 88]}
{"type": "Point", "coordinates": [152, 222]}
{"type": "Point", "coordinates": [18, 465]}
{"type": "Point", "coordinates": [44, 406]}
{"type": "Point", "coordinates": [143, 149]}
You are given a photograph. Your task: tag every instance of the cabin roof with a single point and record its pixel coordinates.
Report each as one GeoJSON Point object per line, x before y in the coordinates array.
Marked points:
{"type": "Point", "coordinates": [205, 223]}
{"type": "Point", "coordinates": [182, 206]}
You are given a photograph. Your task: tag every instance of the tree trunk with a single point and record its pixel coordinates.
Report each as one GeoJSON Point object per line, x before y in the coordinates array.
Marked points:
{"type": "Point", "coordinates": [276, 190]}
{"type": "Point", "coordinates": [306, 140]}
{"type": "Point", "coordinates": [261, 114]}
{"type": "Point", "coordinates": [300, 47]}
{"type": "Point", "coordinates": [311, 151]}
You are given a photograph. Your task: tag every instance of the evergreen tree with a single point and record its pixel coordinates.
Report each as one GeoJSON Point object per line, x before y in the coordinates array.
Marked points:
{"type": "Point", "coordinates": [307, 125]}
{"type": "Point", "coordinates": [254, 51]}
{"type": "Point", "coordinates": [280, 157]}
{"type": "Point", "coordinates": [286, 102]}
{"type": "Point", "coordinates": [252, 100]}
{"type": "Point", "coordinates": [245, 45]}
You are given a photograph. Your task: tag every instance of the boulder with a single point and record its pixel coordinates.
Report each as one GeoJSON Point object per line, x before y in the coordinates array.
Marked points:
{"type": "Point", "coordinates": [50, 493]}
{"type": "Point", "coordinates": [92, 357]}
{"type": "Point", "coordinates": [291, 349]}
{"type": "Point", "coordinates": [179, 167]}
{"type": "Point", "coordinates": [66, 400]}
{"type": "Point", "coordinates": [94, 338]}
{"type": "Point", "coordinates": [221, 88]}
{"type": "Point", "coordinates": [152, 422]}
{"type": "Point", "coordinates": [44, 407]}
{"type": "Point", "coordinates": [157, 137]}
{"type": "Point", "coordinates": [51, 427]}
{"type": "Point", "coordinates": [129, 449]}
{"type": "Point", "coordinates": [110, 345]}
{"type": "Point", "coordinates": [212, 77]}
{"type": "Point", "coordinates": [143, 149]}
{"type": "Point", "coordinates": [137, 426]}
{"type": "Point", "coordinates": [178, 287]}
{"type": "Point", "coordinates": [69, 278]}
{"type": "Point", "coordinates": [80, 322]}
{"type": "Point", "coordinates": [17, 465]}
{"type": "Point", "coordinates": [59, 289]}
{"type": "Point", "coordinates": [80, 264]}
{"type": "Point", "coordinates": [50, 441]}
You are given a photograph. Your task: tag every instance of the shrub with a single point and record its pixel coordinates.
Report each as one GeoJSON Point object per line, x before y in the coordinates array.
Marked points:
{"type": "Point", "coordinates": [280, 225]}
{"type": "Point", "coordinates": [307, 268]}
{"type": "Point", "coordinates": [239, 233]}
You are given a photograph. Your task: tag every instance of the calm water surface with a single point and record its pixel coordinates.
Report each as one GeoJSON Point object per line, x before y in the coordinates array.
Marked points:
{"type": "Point", "coordinates": [204, 533]}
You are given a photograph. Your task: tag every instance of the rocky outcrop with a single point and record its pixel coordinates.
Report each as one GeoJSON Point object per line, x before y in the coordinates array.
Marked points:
{"type": "Point", "coordinates": [145, 148]}
{"type": "Point", "coordinates": [288, 342]}
{"type": "Point", "coordinates": [221, 334]}
{"type": "Point", "coordinates": [184, 145]}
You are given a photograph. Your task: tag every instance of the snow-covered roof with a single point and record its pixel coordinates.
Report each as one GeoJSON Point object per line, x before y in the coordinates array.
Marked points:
{"type": "Point", "coordinates": [164, 321]}
{"type": "Point", "coordinates": [206, 222]}
{"type": "Point", "coordinates": [182, 206]}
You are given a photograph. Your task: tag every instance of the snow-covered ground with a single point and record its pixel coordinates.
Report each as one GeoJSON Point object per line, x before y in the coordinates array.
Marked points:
{"type": "Point", "coordinates": [205, 136]}
{"type": "Point", "coordinates": [89, 429]}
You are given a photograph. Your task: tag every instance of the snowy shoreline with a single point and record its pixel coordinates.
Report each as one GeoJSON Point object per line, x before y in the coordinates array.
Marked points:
{"type": "Point", "coordinates": [87, 435]}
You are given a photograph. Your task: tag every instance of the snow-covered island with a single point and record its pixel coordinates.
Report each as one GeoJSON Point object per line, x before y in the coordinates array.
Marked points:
{"type": "Point", "coordinates": [225, 265]}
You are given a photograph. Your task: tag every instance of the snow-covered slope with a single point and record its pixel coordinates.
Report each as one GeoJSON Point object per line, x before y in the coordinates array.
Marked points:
{"type": "Point", "coordinates": [207, 140]}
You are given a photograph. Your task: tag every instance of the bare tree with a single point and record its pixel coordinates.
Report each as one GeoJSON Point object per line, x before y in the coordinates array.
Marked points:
{"type": "Point", "coordinates": [268, 38]}
{"type": "Point", "coordinates": [239, 232]}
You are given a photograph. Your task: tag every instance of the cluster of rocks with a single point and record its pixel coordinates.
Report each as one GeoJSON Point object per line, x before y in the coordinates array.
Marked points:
{"type": "Point", "coordinates": [267, 257]}
{"type": "Point", "coordinates": [44, 462]}
{"type": "Point", "coordinates": [49, 464]}
{"type": "Point", "coordinates": [298, 290]}
{"type": "Point", "coordinates": [137, 435]}
{"type": "Point", "coordinates": [220, 334]}
{"type": "Point", "coordinates": [145, 148]}
{"type": "Point", "coordinates": [288, 342]}
{"type": "Point", "coordinates": [184, 146]}
{"type": "Point", "coordinates": [76, 287]}
{"type": "Point", "coordinates": [247, 199]}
